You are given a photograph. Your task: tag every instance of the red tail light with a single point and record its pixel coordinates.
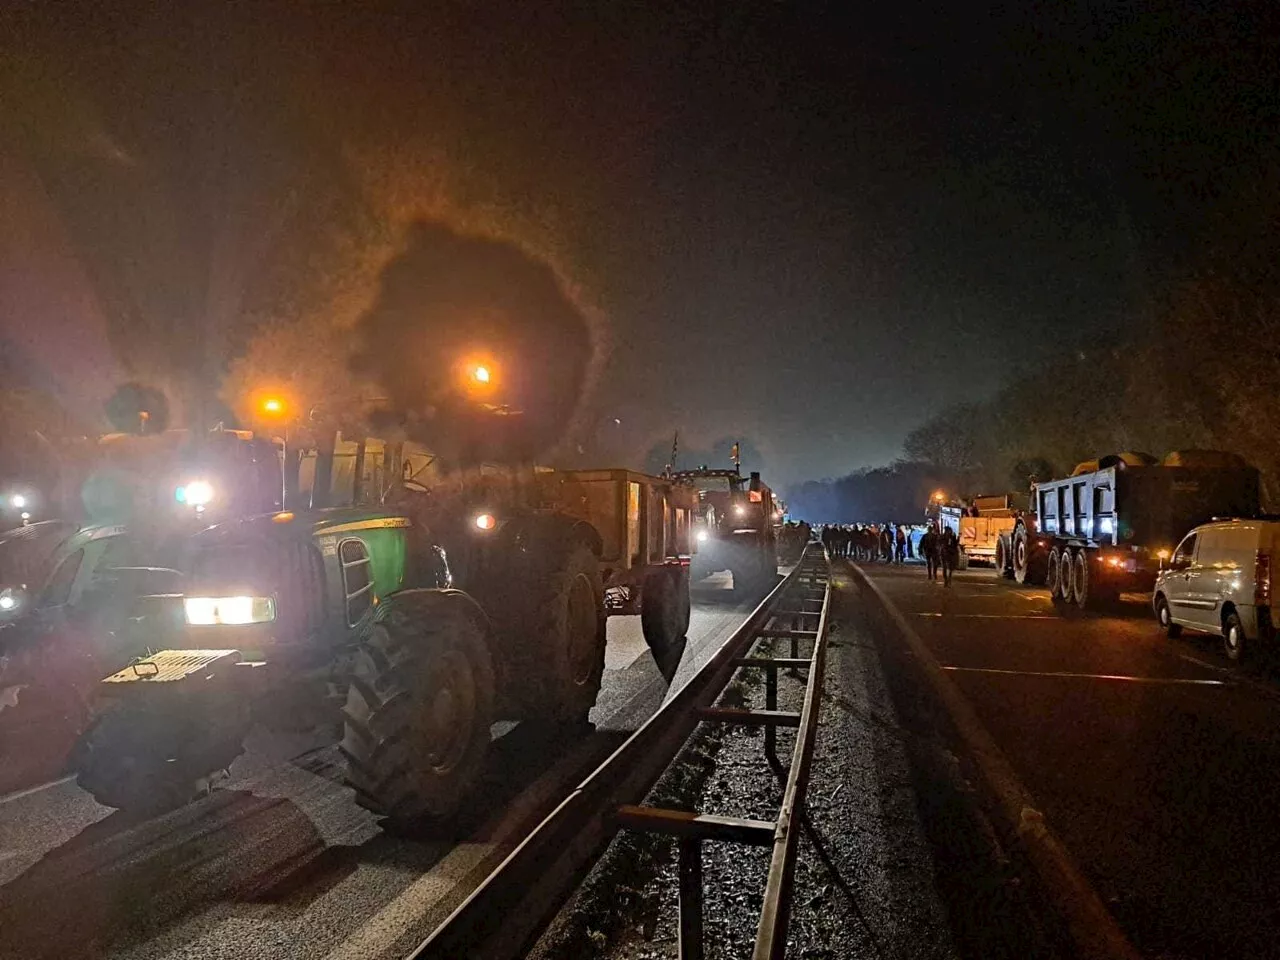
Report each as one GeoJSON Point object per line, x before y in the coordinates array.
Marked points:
{"type": "Point", "coordinates": [1262, 580]}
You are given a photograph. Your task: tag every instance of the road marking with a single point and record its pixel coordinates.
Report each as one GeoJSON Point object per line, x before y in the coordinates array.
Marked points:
{"type": "Point", "coordinates": [993, 616]}
{"type": "Point", "coordinates": [1089, 676]}
{"type": "Point", "coordinates": [19, 794]}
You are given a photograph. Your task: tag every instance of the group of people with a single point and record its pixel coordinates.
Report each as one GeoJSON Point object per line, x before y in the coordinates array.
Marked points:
{"type": "Point", "coordinates": [886, 542]}
{"type": "Point", "coordinates": [893, 543]}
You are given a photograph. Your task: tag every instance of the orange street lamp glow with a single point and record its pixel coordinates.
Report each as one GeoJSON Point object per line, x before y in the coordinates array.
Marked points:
{"type": "Point", "coordinates": [273, 406]}
{"type": "Point", "coordinates": [481, 374]}
{"type": "Point", "coordinates": [939, 496]}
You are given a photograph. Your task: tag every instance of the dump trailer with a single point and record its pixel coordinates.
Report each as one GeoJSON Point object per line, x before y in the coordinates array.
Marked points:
{"type": "Point", "coordinates": [1109, 527]}
{"type": "Point", "coordinates": [736, 525]}
{"type": "Point", "coordinates": [978, 526]}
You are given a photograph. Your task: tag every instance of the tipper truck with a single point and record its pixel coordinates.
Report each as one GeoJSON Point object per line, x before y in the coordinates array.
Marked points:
{"type": "Point", "coordinates": [1109, 527]}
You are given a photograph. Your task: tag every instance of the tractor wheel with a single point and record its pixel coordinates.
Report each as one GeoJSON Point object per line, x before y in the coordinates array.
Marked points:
{"type": "Point", "coordinates": [1002, 562]}
{"type": "Point", "coordinates": [144, 763]}
{"type": "Point", "coordinates": [571, 628]}
{"type": "Point", "coordinates": [418, 711]}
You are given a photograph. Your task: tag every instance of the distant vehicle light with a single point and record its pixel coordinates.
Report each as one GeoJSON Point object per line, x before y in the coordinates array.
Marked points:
{"type": "Point", "coordinates": [26, 515]}
{"type": "Point", "coordinates": [740, 510]}
{"type": "Point", "coordinates": [17, 501]}
{"type": "Point", "coordinates": [486, 521]}
{"type": "Point", "coordinates": [232, 611]}
{"type": "Point", "coordinates": [703, 536]}
{"type": "Point", "coordinates": [8, 601]}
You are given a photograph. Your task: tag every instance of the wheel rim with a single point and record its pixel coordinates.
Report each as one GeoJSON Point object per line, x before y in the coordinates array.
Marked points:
{"type": "Point", "coordinates": [1080, 585]}
{"type": "Point", "coordinates": [583, 622]}
{"type": "Point", "coordinates": [1053, 575]}
{"type": "Point", "coordinates": [1020, 555]}
{"type": "Point", "coordinates": [450, 711]}
{"type": "Point", "coordinates": [1163, 613]}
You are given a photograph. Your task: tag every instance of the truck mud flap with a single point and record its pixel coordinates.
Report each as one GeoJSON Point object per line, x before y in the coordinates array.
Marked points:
{"type": "Point", "coordinates": [668, 659]}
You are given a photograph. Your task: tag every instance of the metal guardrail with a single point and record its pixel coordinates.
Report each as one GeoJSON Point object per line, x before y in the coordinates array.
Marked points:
{"type": "Point", "coordinates": [501, 916]}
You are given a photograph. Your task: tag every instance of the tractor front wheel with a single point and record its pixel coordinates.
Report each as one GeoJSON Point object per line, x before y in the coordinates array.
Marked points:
{"type": "Point", "coordinates": [418, 711]}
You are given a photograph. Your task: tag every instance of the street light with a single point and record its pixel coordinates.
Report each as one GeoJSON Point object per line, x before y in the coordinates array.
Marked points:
{"type": "Point", "coordinates": [273, 406]}
{"type": "Point", "coordinates": [481, 374]}
{"type": "Point", "coordinates": [939, 497]}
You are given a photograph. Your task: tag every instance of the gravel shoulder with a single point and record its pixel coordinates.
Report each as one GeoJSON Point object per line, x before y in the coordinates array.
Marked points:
{"type": "Point", "coordinates": [895, 860]}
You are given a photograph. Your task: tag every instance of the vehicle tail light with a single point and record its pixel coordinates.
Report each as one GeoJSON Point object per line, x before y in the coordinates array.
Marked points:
{"type": "Point", "coordinates": [1262, 580]}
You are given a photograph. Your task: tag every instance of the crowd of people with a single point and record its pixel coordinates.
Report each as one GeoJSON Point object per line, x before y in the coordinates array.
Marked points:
{"type": "Point", "coordinates": [895, 543]}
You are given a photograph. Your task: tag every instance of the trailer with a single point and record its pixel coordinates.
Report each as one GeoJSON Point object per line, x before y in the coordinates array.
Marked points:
{"type": "Point", "coordinates": [1109, 527]}
{"type": "Point", "coordinates": [978, 525]}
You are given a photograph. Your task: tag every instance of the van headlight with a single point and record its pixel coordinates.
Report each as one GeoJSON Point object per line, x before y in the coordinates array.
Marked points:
{"type": "Point", "coordinates": [207, 611]}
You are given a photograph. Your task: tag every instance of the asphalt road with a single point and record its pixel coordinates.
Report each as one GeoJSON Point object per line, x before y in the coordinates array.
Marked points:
{"type": "Point", "coordinates": [1156, 763]}
{"type": "Point", "coordinates": [280, 862]}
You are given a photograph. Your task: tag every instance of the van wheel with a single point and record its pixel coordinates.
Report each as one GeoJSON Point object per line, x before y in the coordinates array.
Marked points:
{"type": "Point", "coordinates": [1233, 638]}
{"type": "Point", "coordinates": [1165, 616]}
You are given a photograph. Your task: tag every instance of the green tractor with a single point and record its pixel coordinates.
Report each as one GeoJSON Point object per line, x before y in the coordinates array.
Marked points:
{"type": "Point", "coordinates": [405, 629]}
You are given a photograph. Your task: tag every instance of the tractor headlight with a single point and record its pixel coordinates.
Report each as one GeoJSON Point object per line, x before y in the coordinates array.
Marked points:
{"type": "Point", "coordinates": [197, 493]}
{"type": "Point", "coordinates": [207, 611]}
{"type": "Point", "coordinates": [703, 536]}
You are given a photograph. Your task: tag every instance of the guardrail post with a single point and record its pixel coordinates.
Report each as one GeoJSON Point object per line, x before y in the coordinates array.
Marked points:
{"type": "Point", "coordinates": [771, 703]}
{"type": "Point", "coordinates": [690, 898]}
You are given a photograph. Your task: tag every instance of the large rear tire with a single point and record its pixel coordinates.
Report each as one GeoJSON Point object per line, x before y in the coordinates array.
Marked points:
{"type": "Point", "coordinates": [145, 763]}
{"type": "Point", "coordinates": [419, 709]}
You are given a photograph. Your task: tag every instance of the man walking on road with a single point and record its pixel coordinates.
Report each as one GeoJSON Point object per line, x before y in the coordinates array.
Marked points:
{"type": "Point", "coordinates": [950, 554]}
{"type": "Point", "coordinates": [929, 550]}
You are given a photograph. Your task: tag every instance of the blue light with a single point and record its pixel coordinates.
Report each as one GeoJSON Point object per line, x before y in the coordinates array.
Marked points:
{"type": "Point", "coordinates": [180, 494]}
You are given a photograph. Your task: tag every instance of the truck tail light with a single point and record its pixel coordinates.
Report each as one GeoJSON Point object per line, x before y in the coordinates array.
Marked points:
{"type": "Point", "coordinates": [1262, 580]}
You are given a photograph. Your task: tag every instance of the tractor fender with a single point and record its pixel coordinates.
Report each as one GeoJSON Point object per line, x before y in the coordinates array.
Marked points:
{"type": "Point", "coordinates": [429, 601]}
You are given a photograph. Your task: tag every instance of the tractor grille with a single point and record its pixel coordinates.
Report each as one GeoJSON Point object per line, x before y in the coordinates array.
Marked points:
{"type": "Point", "coordinates": [170, 665]}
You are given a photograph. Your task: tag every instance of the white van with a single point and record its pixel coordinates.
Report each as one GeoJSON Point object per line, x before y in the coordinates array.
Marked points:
{"type": "Point", "coordinates": [1219, 581]}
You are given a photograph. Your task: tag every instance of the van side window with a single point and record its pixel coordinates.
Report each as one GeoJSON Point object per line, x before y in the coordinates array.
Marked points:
{"type": "Point", "coordinates": [1183, 555]}
{"type": "Point", "coordinates": [357, 579]}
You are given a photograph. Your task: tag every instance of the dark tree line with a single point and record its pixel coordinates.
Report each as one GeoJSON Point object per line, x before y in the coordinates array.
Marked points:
{"type": "Point", "coordinates": [1199, 369]}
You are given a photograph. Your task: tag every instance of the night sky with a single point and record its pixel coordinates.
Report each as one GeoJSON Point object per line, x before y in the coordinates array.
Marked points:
{"type": "Point", "coordinates": [806, 226]}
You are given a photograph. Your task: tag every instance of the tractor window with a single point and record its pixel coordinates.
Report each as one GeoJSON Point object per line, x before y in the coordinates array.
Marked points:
{"type": "Point", "coordinates": [357, 579]}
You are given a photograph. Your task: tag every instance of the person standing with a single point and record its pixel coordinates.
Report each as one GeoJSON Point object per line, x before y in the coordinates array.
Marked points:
{"type": "Point", "coordinates": [900, 546]}
{"type": "Point", "coordinates": [929, 550]}
{"type": "Point", "coordinates": [950, 554]}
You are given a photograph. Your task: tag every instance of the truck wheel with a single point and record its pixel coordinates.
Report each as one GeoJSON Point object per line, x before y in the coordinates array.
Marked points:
{"type": "Point", "coordinates": [572, 626]}
{"type": "Point", "coordinates": [1053, 576]}
{"type": "Point", "coordinates": [1080, 581]}
{"type": "Point", "coordinates": [418, 711]}
{"type": "Point", "coordinates": [1066, 575]}
{"type": "Point", "coordinates": [1233, 644]}
{"type": "Point", "coordinates": [142, 762]}
{"type": "Point", "coordinates": [1001, 560]}
{"type": "Point", "coordinates": [963, 561]}
{"type": "Point", "coordinates": [662, 613]}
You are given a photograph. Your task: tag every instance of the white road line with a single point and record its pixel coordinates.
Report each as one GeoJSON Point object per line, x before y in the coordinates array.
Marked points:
{"type": "Point", "coordinates": [19, 794]}
{"type": "Point", "coordinates": [1090, 676]}
{"type": "Point", "coordinates": [992, 616]}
